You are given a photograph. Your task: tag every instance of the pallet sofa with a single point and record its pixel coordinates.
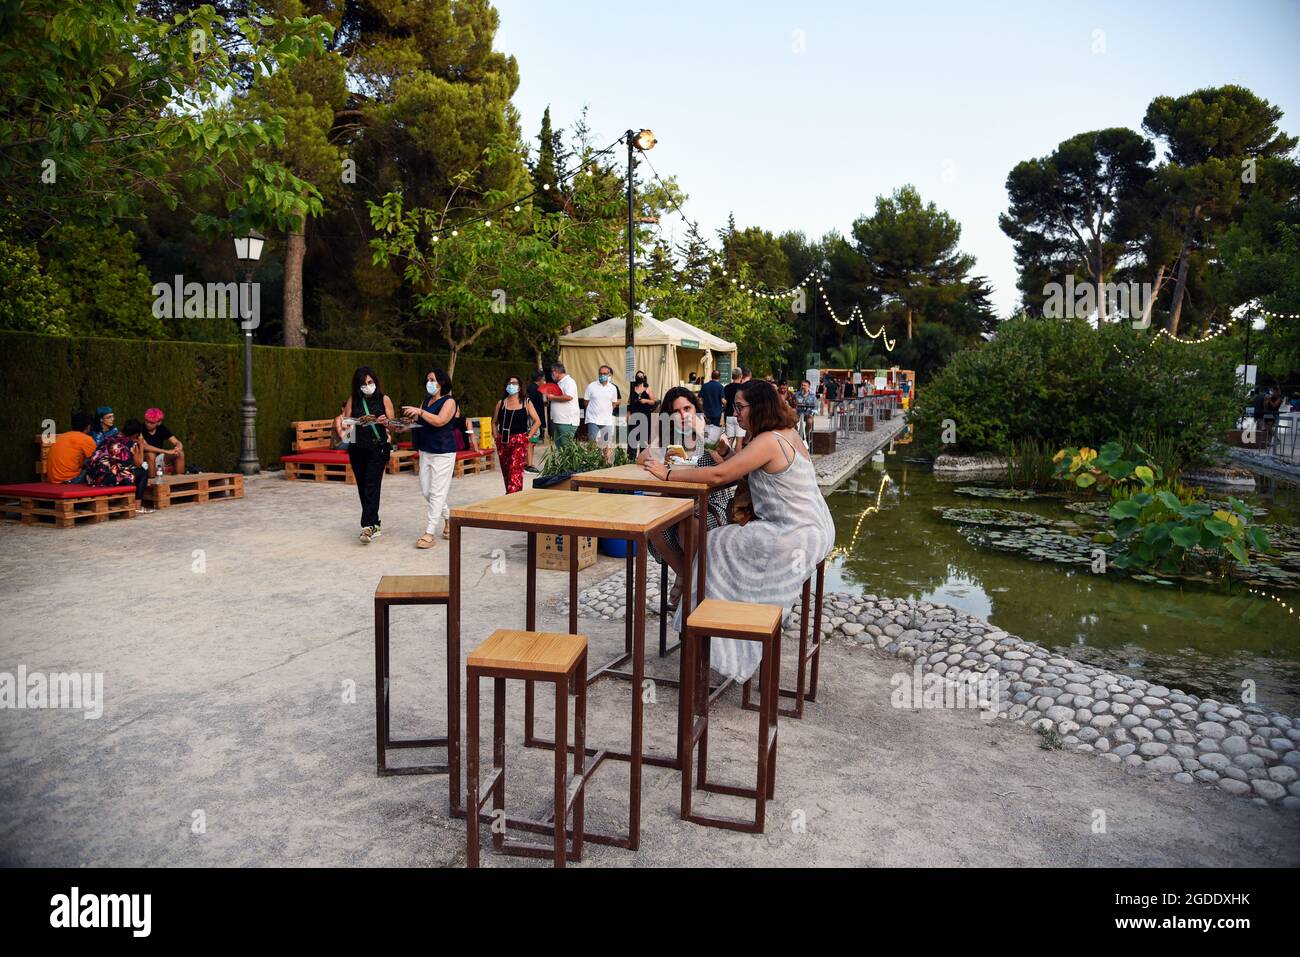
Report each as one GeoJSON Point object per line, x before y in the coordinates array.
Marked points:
{"type": "Point", "coordinates": [315, 459]}
{"type": "Point", "coordinates": [63, 506]}
{"type": "Point", "coordinates": [165, 492]}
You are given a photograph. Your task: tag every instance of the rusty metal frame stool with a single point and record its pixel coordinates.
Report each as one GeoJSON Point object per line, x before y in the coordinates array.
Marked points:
{"type": "Point", "coordinates": [400, 590]}
{"type": "Point", "coordinates": [529, 656]}
{"type": "Point", "coordinates": [746, 622]}
{"type": "Point", "coordinates": [804, 690]}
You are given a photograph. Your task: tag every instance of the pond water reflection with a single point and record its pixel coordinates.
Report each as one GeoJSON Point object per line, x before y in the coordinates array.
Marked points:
{"type": "Point", "coordinates": [1206, 641]}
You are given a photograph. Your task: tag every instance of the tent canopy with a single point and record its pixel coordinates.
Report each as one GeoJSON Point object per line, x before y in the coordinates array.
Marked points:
{"type": "Point", "coordinates": [667, 351]}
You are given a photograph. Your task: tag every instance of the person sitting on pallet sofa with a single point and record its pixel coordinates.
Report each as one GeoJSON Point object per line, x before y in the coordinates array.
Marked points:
{"type": "Point", "coordinates": [120, 461]}
{"type": "Point", "coordinates": [70, 451]}
{"type": "Point", "coordinates": [103, 428]}
{"type": "Point", "coordinates": [160, 442]}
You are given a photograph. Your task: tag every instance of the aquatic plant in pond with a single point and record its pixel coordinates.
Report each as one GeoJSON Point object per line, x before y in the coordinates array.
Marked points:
{"type": "Point", "coordinates": [1157, 523]}
{"type": "Point", "coordinates": [1010, 494]}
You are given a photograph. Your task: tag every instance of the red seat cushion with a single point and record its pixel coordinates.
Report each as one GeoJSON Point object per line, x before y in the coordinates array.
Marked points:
{"type": "Point", "coordinates": [473, 453]}
{"type": "Point", "coordinates": [51, 490]}
{"type": "Point", "coordinates": [327, 457]}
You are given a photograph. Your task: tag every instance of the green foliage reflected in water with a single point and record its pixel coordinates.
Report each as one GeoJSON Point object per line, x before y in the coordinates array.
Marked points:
{"type": "Point", "coordinates": [1205, 640]}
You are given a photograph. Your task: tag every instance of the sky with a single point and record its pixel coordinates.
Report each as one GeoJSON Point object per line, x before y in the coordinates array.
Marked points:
{"type": "Point", "coordinates": [798, 115]}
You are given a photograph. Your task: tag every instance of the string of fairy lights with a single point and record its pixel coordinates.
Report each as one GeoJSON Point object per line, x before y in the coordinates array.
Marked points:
{"type": "Point", "coordinates": [516, 205]}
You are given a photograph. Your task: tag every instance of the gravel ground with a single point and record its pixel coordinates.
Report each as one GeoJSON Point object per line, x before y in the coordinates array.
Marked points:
{"type": "Point", "coordinates": [236, 644]}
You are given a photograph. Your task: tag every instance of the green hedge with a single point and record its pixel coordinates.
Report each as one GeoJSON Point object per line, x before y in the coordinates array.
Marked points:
{"type": "Point", "coordinates": [200, 385]}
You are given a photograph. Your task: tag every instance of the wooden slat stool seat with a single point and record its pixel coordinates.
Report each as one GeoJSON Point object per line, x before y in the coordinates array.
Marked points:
{"type": "Point", "coordinates": [400, 590]}
{"type": "Point", "coordinates": [748, 622]}
{"type": "Point", "coordinates": [529, 656]}
{"type": "Point", "coordinates": [805, 688]}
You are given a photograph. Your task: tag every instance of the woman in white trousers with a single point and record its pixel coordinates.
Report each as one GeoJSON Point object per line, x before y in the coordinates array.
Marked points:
{"type": "Point", "coordinates": [435, 440]}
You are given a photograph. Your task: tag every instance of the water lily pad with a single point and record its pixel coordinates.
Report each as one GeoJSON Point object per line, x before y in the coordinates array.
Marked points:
{"type": "Point", "coordinates": [1009, 494]}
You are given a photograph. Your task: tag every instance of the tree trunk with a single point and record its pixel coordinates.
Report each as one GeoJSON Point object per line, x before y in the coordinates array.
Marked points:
{"type": "Point", "coordinates": [295, 250]}
{"type": "Point", "coordinates": [909, 323]}
{"type": "Point", "coordinates": [1180, 283]}
{"type": "Point", "coordinates": [451, 363]}
{"type": "Point", "coordinates": [1180, 287]}
{"type": "Point", "coordinates": [1149, 309]}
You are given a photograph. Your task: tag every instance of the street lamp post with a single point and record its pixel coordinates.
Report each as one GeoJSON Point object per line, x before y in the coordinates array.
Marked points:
{"type": "Point", "coordinates": [248, 250]}
{"type": "Point", "coordinates": [644, 140]}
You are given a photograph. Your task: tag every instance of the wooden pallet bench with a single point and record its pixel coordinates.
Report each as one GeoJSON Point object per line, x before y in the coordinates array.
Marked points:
{"type": "Point", "coordinates": [63, 506]}
{"type": "Point", "coordinates": [329, 466]}
{"type": "Point", "coordinates": [199, 488]}
{"type": "Point", "coordinates": [473, 461]}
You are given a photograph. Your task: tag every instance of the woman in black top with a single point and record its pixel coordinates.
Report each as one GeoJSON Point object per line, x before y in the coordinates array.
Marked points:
{"type": "Point", "coordinates": [514, 422]}
{"type": "Point", "coordinates": [641, 406]}
{"type": "Point", "coordinates": [363, 426]}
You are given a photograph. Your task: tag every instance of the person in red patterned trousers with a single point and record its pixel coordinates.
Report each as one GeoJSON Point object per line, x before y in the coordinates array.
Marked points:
{"type": "Point", "coordinates": [514, 423]}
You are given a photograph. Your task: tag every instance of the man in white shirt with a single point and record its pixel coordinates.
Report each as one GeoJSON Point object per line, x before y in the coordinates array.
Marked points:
{"type": "Point", "coordinates": [602, 399]}
{"type": "Point", "coordinates": [564, 407]}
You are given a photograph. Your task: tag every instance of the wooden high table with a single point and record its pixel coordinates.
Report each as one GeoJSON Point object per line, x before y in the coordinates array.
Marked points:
{"type": "Point", "coordinates": [634, 478]}
{"type": "Point", "coordinates": [552, 511]}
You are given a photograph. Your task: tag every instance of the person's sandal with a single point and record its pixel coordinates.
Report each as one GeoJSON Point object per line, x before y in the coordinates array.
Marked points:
{"type": "Point", "coordinates": [674, 595]}
{"type": "Point", "coordinates": [426, 541]}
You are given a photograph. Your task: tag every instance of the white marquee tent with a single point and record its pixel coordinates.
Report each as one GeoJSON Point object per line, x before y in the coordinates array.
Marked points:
{"type": "Point", "coordinates": [667, 351]}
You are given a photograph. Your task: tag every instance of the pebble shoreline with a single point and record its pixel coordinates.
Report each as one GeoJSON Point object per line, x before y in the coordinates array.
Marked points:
{"type": "Point", "coordinates": [1242, 749]}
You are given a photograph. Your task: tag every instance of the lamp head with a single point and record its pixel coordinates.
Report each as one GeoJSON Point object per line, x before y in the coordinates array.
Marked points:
{"type": "Point", "coordinates": [645, 140]}
{"type": "Point", "coordinates": [248, 249]}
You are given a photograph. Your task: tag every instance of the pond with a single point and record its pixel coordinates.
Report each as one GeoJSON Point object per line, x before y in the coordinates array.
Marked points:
{"type": "Point", "coordinates": [1204, 640]}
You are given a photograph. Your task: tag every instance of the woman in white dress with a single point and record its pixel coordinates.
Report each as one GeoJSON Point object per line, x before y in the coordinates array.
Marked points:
{"type": "Point", "coordinates": [766, 560]}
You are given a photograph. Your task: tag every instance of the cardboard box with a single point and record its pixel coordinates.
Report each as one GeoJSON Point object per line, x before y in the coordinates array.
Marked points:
{"type": "Point", "coordinates": [553, 551]}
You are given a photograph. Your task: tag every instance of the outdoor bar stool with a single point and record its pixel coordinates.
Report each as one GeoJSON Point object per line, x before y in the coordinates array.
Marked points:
{"type": "Point", "coordinates": [529, 656]}
{"type": "Point", "coordinates": [805, 688]}
{"type": "Point", "coordinates": [400, 590]}
{"type": "Point", "coordinates": [730, 619]}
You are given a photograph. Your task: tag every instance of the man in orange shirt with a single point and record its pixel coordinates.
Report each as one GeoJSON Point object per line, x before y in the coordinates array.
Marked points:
{"type": "Point", "coordinates": [70, 451]}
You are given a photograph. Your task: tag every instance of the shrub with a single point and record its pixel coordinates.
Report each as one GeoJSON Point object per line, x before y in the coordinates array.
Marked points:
{"type": "Point", "coordinates": [1064, 382]}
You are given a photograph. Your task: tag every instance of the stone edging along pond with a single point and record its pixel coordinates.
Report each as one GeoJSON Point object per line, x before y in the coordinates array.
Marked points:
{"type": "Point", "coordinates": [1244, 750]}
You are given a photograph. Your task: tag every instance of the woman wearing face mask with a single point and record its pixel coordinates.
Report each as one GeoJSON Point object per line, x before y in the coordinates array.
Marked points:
{"type": "Point", "coordinates": [683, 422]}
{"type": "Point", "coordinates": [435, 440]}
{"type": "Point", "coordinates": [363, 425]}
{"type": "Point", "coordinates": [641, 406]}
{"type": "Point", "coordinates": [514, 423]}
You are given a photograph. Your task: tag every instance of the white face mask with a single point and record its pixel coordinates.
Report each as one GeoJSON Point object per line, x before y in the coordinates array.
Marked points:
{"type": "Point", "coordinates": [368, 389]}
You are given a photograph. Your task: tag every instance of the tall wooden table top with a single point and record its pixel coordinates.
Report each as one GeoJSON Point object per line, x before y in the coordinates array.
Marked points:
{"type": "Point", "coordinates": [635, 478]}
{"type": "Point", "coordinates": [577, 513]}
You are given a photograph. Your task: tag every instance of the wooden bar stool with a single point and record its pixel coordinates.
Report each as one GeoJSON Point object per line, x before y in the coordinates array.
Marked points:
{"type": "Point", "coordinates": [400, 590]}
{"type": "Point", "coordinates": [730, 619]}
{"type": "Point", "coordinates": [529, 656]}
{"type": "Point", "coordinates": [805, 688]}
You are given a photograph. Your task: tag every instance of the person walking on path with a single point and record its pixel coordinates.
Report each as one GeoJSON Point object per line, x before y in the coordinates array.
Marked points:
{"type": "Point", "coordinates": [641, 406]}
{"type": "Point", "coordinates": [564, 409]}
{"type": "Point", "coordinates": [602, 401]}
{"type": "Point", "coordinates": [435, 440]}
{"type": "Point", "coordinates": [538, 403]}
{"type": "Point", "coordinates": [363, 425]}
{"type": "Point", "coordinates": [514, 423]}
{"type": "Point", "coordinates": [767, 559]}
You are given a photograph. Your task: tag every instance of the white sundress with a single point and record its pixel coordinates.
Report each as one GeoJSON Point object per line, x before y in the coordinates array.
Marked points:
{"type": "Point", "coordinates": [767, 560]}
